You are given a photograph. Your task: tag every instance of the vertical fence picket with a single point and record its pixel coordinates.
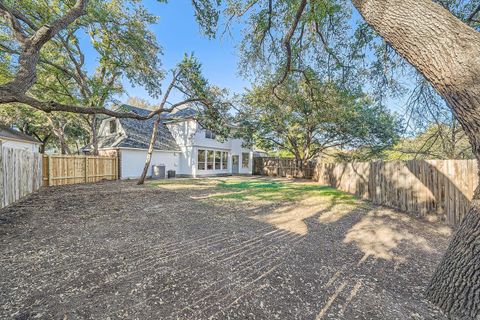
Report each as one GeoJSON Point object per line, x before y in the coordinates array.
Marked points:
{"type": "Point", "coordinates": [438, 187]}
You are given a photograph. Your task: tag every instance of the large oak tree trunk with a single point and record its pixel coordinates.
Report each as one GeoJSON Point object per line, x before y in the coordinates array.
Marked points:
{"type": "Point", "coordinates": [455, 286]}
{"type": "Point", "coordinates": [447, 52]}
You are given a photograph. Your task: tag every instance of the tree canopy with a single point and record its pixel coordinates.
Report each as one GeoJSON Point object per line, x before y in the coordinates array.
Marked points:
{"type": "Point", "coordinates": [43, 40]}
{"type": "Point", "coordinates": [308, 117]}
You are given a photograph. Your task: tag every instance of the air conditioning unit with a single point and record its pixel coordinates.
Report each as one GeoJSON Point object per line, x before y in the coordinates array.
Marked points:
{"type": "Point", "coordinates": [158, 171]}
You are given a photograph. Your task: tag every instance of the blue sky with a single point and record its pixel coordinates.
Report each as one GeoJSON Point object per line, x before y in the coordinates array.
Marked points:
{"type": "Point", "coordinates": [178, 33]}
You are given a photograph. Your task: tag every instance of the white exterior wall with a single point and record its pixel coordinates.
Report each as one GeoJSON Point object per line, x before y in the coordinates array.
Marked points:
{"type": "Point", "coordinates": [238, 150]}
{"type": "Point", "coordinates": [183, 133]}
{"type": "Point", "coordinates": [133, 161]}
{"type": "Point", "coordinates": [17, 144]}
{"type": "Point", "coordinates": [190, 138]}
{"type": "Point", "coordinates": [233, 146]}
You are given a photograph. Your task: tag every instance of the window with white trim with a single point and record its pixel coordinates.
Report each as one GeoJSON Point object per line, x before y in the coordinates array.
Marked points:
{"type": "Point", "coordinates": [201, 159]}
{"type": "Point", "coordinates": [218, 158]}
{"type": "Point", "coordinates": [245, 159]}
{"type": "Point", "coordinates": [212, 160]}
{"type": "Point", "coordinates": [225, 160]}
{"type": "Point", "coordinates": [210, 154]}
{"type": "Point", "coordinates": [209, 134]}
{"type": "Point", "coordinates": [113, 126]}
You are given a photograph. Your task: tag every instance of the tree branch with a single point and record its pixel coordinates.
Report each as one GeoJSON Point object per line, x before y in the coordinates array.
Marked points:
{"type": "Point", "coordinates": [30, 47]}
{"type": "Point", "coordinates": [16, 27]}
{"type": "Point", "coordinates": [288, 38]}
{"type": "Point", "coordinates": [23, 18]}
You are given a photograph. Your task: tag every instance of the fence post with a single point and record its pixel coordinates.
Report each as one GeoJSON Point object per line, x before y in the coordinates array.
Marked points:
{"type": "Point", "coordinates": [116, 167]}
{"type": "Point", "coordinates": [86, 169]}
{"type": "Point", "coordinates": [2, 181]}
{"type": "Point", "coordinates": [49, 170]}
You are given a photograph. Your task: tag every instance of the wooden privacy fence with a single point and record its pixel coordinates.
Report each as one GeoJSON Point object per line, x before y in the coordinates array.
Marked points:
{"type": "Point", "coordinates": [282, 167]}
{"type": "Point", "coordinates": [441, 187]}
{"type": "Point", "coordinates": [20, 174]}
{"type": "Point", "coordinates": [65, 169]}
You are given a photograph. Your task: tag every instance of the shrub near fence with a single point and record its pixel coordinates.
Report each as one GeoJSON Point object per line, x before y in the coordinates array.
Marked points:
{"type": "Point", "coordinates": [20, 174]}
{"type": "Point", "coordinates": [440, 187]}
{"type": "Point", "coordinates": [65, 169]}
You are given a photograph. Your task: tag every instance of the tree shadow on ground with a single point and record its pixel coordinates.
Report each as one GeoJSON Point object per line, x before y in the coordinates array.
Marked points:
{"type": "Point", "coordinates": [124, 251]}
{"type": "Point", "coordinates": [433, 189]}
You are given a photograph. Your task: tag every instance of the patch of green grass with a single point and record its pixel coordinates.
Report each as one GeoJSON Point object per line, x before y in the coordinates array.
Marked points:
{"type": "Point", "coordinates": [257, 184]}
{"type": "Point", "coordinates": [177, 181]}
{"type": "Point", "coordinates": [260, 190]}
{"type": "Point", "coordinates": [271, 190]}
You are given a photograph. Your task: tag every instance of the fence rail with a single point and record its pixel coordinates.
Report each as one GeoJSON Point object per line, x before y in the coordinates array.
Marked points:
{"type": "Point", "coordinates": [65, 169]}
{"type": "Point", "coordinates": [441, 187]}
{"type": "Point", "coordinates": [20, 174]}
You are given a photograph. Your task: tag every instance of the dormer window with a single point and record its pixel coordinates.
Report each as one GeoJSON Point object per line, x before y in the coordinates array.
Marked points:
{"type": "Point", "coordinates": [113, 126]}
{"type": "Point", "coordinates": [209, 134]}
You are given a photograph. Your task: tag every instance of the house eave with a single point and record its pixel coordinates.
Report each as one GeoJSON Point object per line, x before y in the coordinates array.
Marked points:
{"type": "Point", "coordinates": [143, 149]}
{"type": "Point", "coordinates": [20, 140]}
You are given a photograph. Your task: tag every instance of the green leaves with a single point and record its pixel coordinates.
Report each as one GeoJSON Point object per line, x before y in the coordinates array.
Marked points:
{"type": "Point", "coordinates": [306, 116]}
{"type": "Point", "coordinates": [90, 58]}
{"type": "Point", "coordinates": [207, 14]}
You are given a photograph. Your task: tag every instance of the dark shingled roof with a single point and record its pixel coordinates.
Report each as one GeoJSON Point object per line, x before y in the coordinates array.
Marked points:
{"type": "Point", "coordinates": [184, 113]}
{"type": "Point", "coordinates": [9, 133]}
{"type": "Point", "coordinates": [138, 133]}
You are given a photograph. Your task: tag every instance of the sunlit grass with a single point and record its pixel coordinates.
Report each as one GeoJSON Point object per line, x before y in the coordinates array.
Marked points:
{"type": "Point", "coordinates": [271, 190]}
{"type": "Point", "coordinates": [285, 204]}
{"type": "Point", "coordinates": [268, 190]}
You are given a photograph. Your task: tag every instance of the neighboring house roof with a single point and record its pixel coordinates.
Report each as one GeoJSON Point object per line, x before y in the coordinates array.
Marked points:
{"type": "Point", "coordinates": [259, 151]}
{"type": "Point", "coordinates": [137, 133]}
{"type": "Point", "coordinates": [185, 113]}
{"type": "Point", "coordinates": [12, 134]}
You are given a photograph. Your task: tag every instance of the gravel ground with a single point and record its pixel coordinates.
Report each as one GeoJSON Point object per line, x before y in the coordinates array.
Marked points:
{"type": "Point", "coordinates": [114, 250]}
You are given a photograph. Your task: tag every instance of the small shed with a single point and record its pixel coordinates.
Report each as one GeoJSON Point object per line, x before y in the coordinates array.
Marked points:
{"type": "Point", "coordinates": [20, 165]}
{"type": "Point", "coordinates": [11, 138]}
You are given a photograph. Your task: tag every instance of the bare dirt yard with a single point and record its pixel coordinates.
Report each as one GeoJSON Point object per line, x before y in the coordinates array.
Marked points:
{"type": "Point", "coordinates": [220, 248]}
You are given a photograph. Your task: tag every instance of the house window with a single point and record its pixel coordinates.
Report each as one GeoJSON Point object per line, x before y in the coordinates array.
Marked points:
{"type": "Point", "coordinates": [225, 160]}
{"type": "Point", "coordinates": [245, 159]}
{"type": "Point", "coordinates": [209, 134]}
{"type": "Point", "coordinates": [201, 160]}
{"type": "Point", "coordinates": [218, 158]}
{"type": "Point", "coordinates": [113, 126]}
{"type": "Point", "coordinates": [210, 159]}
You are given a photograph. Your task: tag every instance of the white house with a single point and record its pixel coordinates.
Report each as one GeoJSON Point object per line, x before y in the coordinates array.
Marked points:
{"type": "Point", "coordinates": [10, 138]}
{"type": "Point", "coordinates": [182, 145]}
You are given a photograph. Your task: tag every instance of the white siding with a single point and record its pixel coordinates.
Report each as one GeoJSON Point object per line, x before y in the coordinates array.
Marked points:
{"type": "Point", "coordinates": [133, 161]}
{"type": "Point", "coordinates": [16, 144]}
{"type": "Point", "coordinates": [183, 133]}
{"type": "Point", "coordinates": [190, 138]}
{"type": "Point", "coordinates": [104, 130]}
{"type": "Point", "coordinates": [232, 146]}
{"type": "Point", "coordinates": [238, 150]}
